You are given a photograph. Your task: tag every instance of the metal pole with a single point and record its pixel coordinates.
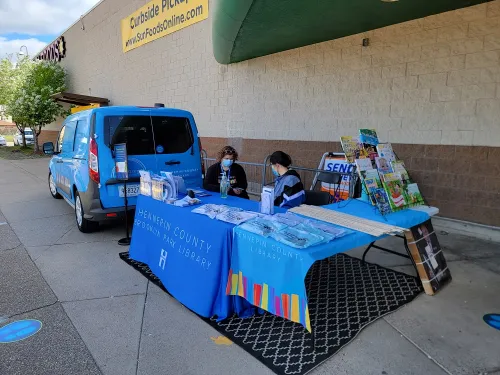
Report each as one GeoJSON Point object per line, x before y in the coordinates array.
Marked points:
{"type": "Point", "coordinates": [125, 241]}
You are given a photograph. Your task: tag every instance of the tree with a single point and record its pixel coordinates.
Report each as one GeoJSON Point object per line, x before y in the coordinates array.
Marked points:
{"type": "Point", "coordinates": [12, 80]}
{"type": "Point", "coordinates": [34, 100]}
{"type": "Point", "coordinates": [6, 80]}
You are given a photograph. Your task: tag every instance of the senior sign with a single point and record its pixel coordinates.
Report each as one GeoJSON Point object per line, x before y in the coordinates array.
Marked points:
{"type": "Point", "coordinates": [159, 18]}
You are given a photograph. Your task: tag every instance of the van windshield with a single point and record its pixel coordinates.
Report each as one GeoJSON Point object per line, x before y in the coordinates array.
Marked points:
{"type": "Point", "coordinates": [144, 134]}
{"type": "Point", "coordinates": [28, 132]}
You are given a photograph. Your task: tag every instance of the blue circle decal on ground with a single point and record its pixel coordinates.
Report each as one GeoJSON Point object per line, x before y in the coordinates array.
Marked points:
{"type": "Point", "coordinates": [20, 330]}
{"type": "Point", "coordinates": [493, 320]}
{"type": "Point", "coordinates": [160, 149]}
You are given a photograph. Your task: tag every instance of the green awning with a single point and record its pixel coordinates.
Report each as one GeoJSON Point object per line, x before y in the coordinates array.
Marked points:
{"type": "Point", "coordinates": [244, 29]}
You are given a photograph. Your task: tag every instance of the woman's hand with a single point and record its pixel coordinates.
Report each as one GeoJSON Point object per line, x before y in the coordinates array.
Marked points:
{"type": "Point", "coordinates": [237, 191]}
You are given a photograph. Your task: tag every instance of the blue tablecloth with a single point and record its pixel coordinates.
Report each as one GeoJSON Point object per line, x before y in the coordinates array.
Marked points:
{"type": "Point", "coordinates": [271, 275]}
{"type": "Point", "coordinates": [190, 253]}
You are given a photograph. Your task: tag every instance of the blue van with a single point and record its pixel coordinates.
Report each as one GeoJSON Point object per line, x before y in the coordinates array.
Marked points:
{"type": "Point", "coordinates": [82, 168]}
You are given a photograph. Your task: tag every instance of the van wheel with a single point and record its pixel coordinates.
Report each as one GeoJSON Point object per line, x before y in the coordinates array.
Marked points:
{"type": "Point", "coordinates": [84, 225]}
{"type": "Point", "coordinates": [52, 187]}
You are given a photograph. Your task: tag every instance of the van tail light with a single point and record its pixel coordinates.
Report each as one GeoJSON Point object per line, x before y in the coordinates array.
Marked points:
{"type": "Point", "coordinates": [93, 161]}
{"type": "Point", "coordinates": [201, 157]}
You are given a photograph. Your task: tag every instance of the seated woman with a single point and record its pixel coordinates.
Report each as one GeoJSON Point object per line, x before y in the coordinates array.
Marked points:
{"type": "Point", "coordinates": [288, 189]}
{"type": "Point", "coordinates": [226, 163]}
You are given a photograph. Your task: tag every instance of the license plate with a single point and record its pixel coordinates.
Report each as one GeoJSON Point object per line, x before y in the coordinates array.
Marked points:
{"type": "Point", "coordinates": [132, 190]}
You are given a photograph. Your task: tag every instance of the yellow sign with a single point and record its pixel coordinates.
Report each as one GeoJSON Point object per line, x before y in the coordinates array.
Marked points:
{"type": "Point", "coordinates": [159, 18]}
{"type": "Point", "coordinates": [83, 108]}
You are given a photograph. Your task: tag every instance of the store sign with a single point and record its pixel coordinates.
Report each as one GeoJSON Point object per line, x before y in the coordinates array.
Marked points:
{"type": "Point", "coordinates": [55, 51]}
{"type": "Point", "coordinates": [336, 162]}
{"type": "Point", "coordinates": [159, 18]}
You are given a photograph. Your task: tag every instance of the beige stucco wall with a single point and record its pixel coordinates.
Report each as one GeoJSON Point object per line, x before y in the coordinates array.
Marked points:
{"type": "Point", "coordinates": [429, 81]}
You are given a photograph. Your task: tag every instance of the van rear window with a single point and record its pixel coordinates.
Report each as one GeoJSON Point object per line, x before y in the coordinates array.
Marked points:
{"type": "Point", "coordinates": [170, 135]}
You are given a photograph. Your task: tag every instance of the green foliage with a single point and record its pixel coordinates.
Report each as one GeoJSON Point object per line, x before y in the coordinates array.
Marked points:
{"type": "Point", "coordinates": [29, 87]}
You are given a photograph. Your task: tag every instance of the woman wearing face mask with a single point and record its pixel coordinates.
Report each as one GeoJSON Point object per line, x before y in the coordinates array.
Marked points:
{"type": "Point", "coordinates": [288, 189]}
{"type": "Point", "coordinates": [226, 164]}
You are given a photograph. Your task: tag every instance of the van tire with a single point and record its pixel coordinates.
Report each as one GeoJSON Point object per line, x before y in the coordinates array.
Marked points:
{"type": "Point", "coordinates": [84, 225]}
{"type": "Point", "coordinates": [52, 188]}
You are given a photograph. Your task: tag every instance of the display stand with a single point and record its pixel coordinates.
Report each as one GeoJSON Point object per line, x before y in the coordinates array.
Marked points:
{"type": "Point", "coordinates": [121, 166]}
{"type": "Point", "coordinates": [403, 236]}
{"type": "Point", "coordinates": [125, 241]}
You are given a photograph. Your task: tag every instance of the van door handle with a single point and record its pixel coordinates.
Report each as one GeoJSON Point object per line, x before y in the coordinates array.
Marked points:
{"type": "Point", "coordinates": [172, 162]}
{"type": "Point", "coordinates": [59, 162]}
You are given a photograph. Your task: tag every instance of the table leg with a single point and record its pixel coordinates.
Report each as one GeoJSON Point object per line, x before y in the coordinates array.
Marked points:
{"type": "Point", "coordinates": [407, 255]}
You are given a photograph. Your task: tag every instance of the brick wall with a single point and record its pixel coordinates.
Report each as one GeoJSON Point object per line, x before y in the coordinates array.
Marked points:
{"type": "Point", "coordinates": [428, 84]}
{"type": "Point", "coordinates": [463, 181]}
{"type": "Point", "coordinates": [48, 136]}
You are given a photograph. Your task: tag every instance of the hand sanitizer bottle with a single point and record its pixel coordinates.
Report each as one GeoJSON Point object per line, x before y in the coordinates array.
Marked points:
{"type": "Point", "coordinates": [224, 186]}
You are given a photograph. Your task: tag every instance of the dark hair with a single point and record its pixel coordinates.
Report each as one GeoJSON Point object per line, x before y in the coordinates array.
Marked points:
{"type": "Point", "coordinates": [279, 157]}
{"type": "Point", "coordinates": [227, 150]}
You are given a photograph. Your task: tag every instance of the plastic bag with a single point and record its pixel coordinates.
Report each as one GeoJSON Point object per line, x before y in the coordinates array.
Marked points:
{"type": "Point", "coordinates": [211, 210]}
{"type": "Point", "coordinates": [235, 217]}
{"type": "Point", "coordinates": [297, 238]}
{"type": "Point", "coordinates": [262, 226]}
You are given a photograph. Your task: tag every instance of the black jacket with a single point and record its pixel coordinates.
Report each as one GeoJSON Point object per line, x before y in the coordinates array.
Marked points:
{"type": "Point", "coordinates": [237, 179]}
{"type": "Point", "coordinates": [289, 191]}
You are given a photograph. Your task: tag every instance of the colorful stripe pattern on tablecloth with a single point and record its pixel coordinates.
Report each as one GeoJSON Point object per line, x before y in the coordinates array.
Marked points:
{"type": "Point", "coordinates": [288, 306]}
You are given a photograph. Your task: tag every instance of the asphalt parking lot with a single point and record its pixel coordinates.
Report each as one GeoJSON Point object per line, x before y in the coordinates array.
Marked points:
{"type": "Point", "coordinates": [102, 317]}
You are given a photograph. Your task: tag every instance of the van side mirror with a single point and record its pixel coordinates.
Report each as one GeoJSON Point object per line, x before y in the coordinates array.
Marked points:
{"type": "Point", "coordinates": [48, 148]}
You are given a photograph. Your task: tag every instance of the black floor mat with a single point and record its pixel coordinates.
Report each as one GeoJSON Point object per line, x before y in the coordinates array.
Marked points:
{"type": "Point", "coordinates": [344, 296]}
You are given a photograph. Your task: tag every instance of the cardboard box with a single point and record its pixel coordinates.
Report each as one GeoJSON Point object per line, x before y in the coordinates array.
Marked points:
{"type": "Point", "coordinates": [428, 256]}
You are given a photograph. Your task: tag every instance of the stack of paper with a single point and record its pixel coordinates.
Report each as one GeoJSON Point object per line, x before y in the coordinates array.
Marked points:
{"type": "Point", "coordinates": [211, 210]}
{"type": "Point", "coordinates": [267, 200]}
{"type": "Point", "coordinates": [186, 201]}
{"type": "Point", "coordinates": [145, 184]}
{"type": "Point", "coordinates": [169, 186]}
{"type": "Point", "coordinates": [157, 188]}
{"type": "Point", "coordinates": [236, 217]}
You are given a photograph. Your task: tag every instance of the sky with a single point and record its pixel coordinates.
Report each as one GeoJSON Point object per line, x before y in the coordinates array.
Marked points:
{"type": "Point", "coordinates": [36, 23]}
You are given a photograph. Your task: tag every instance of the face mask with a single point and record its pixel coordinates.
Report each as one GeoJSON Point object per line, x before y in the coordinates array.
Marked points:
{"type": "Point", "coordinates": [275, 172]}
{"type": "Point", "coordinates": [227, 163]}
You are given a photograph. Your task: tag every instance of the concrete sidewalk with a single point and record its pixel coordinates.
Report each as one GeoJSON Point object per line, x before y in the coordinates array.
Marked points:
{"type": "Point", "coordinates": [102, 317]}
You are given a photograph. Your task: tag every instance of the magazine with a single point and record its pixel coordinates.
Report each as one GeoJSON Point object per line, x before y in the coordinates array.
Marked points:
{"type": "Point", "coordinates": [368, 136]}
{"type": "Point", "coordinates": [399, 167]}
{"type": "Point", "coordinates": [414, 195]}
{"type": "Point", "coordinates": [369, 140]}
{"type": "Point", "coordinates": [383, 165]}
{"type": "Point", "coordinates": [352, 148]}
{"type": "Point", "coordinates": [394, 188]}
{"type": "Point", "coordinates": [385, 151]}
{"type": "Point", "coordinates": [382, 201]}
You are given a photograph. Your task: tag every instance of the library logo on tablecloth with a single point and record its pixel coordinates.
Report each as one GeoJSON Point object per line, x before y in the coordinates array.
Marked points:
{"type": "Point", "coordinates": [163, 259]}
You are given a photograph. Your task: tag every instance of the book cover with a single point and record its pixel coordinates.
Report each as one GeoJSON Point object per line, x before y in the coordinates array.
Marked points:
{"type": "Point", "coordinates": [414, 195]}
{"type": "Point", "coordinates": [371, 180]}
{"type": "Point", "coordinates": [363, 164]}
{"type": "Point", "coordinates": [382, 201]}
{"type": "Point", "coordinates": [399, 167]}
{"type": "Point", "coordinates": [368, 137]}
{"type": "Point", "coordinates": [352, 148]}
{"type": "Point", "coordinates": [394, 188]}
{"type": "Point", "coordinates": [372, 173]}
{"type": "Point", "coordinates": [369, 140]}
{"type": "Point", "coordinates": [385, 151]}
{"type": "Point", "coordinates": [383, 165]}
